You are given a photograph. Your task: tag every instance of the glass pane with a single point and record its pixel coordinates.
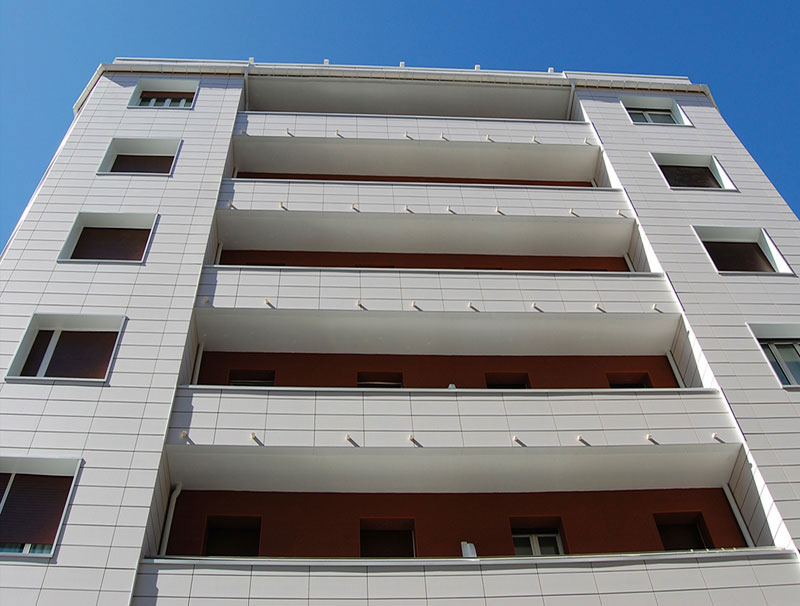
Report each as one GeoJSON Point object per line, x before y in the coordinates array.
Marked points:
{"type": "Point", "coordinates": [40, 548]}
{"type": "Point", "coordinates": [548, 545]}
{"type": "Point", "coordinates": [792, 360]}
{"type": "Point", "coordinates": [11, 547]}
{"type": "Point", "coordinates": [638, 117]}
{"type": "Point", "coordinates": [775, 366]}
{"type": "Point", "coordinates": [522, 546]}
{"type": "Point", "coordinates": [159, 102]}
{"type": "Point", "coordinates": [660, 118]}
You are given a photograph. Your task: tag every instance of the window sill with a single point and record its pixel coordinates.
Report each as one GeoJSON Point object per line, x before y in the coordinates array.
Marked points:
{"type": "Point", "coordinates": [780, 274]}
{"type": "Point", "coordinates": [791, 388]}
{"type": "Point", "coordinates": [459, 390]}
{"type": "Point", "coordinates": [101, 261]}
{"type": "Point", "coordinates": [26, 557]}
{"type": "Point", "coordinates": [662, 124]}
{"type": "Point", "coordinates": [100, 173]}
{"type": "Point", "coordinates": [709, 189]}
{"type": "Point", "coordinates": [53, 380]}
{"type": "Point", "coordinates": [159, 107]}
{"type": "Point", "coordinates": [577, 560]}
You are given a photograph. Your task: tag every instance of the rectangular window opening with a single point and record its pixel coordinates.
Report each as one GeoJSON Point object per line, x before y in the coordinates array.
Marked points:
{"type": "Point", "coordinates": [251, 378]}
{"type": "Point", "coordinates": [387, 538]}
{"type": "Point", "coordinates": [381, 380]}
{"type": "Point", "coordinates": [233, 536]}
{"type": "Point", "coordinates": [738, 256]}
{"type": "Point", "coordinates": [111, 243]}
{"type": "Point", "coordinates": [507, 380]}
{"type": "Point", "coordinates": [683, 531]}
{"type": "Point", "coordinates": [131, 163]}
{"type": "Point", "coordinates": [70, 354]}
{"type": "Point", "coordinates": [689, 176]}
{"type": "Point", "coordinates": [629, 380]}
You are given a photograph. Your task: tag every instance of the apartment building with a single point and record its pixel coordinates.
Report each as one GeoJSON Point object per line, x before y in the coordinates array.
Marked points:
{"type": "Point", "coordinates": [325, 335]}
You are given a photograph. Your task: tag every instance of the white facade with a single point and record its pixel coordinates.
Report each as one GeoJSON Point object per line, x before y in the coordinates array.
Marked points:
{"type": "Point", "coordinates": [149, 426]}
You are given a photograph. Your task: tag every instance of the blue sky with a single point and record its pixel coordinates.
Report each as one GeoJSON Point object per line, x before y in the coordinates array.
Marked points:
{"type": "Point", "coordinates": [747, 54]}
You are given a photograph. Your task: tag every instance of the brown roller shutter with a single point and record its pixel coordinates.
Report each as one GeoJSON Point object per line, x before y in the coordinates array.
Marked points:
{"type": "Point", "coordinates": [82, 354]}
{"type": "Point", "coordinates": [738, 256]}
{"type": "Point", "coordinates": [689, 176]}
{"type": "Point", "coordinates": [125, 163]}
{"type": "Point", "coordinates": [33, 509]}
{"type": "Point", "coordinates": [4, 478]}
{"type": "Point", "coordinates": [112, 243]}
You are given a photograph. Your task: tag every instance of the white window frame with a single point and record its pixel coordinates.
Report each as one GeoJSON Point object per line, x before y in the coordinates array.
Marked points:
{"type": "Point", "coordinates": [646, 103]}
{"type": "Point", "coordinates": [177, 85]}
{"type": "Point", "coordinates": [59, 323]}
{"type": "Point", "coordinates": [758, 235]}
{"type": "Point", "coordinates": [648, 118]}
{"type": "Point", "coordinates": [726, 184]}
{"type": "Point", "coordinates": [108, 220]}
{"type": "Point", "coordinates": [137, 146]}
{"type": "Point", "coordinates": [44, 467]}
{"type": "Point", "coordinates": [533, 537]}
{"type": "Point", "coordinates": [771, 345]}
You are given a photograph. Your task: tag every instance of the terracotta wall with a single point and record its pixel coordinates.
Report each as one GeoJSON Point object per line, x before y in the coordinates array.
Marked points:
{"type": "Point", "coordinates": [328, 524]}
{"type": "Point", "coordinates": [341, 370]}
{"type": "Point", "coordinates": [299, 258]}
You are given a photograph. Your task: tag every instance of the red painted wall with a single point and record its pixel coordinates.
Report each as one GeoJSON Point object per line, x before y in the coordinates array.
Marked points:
{"type": "Point", "coordinates": [341, 370]}
{"type": "Point", "coordinates": [302, 258]}
{"type": "Point", "coordinates": [328, 524]}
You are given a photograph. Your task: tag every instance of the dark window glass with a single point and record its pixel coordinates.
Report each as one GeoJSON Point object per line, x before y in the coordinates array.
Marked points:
{"type": "Point", "coordinates": [738, 256]}
{"type": "Point", "coordinates": [661, 117]}
{"type": "Point", "coordinates": [387, 543]}
{"type": "Point", "coordinates": [82, 354]}
{"type": "Point", "coordinates": [522, 545]}
{"type": "Point", "coordinates": [161, 96]}
{"type": "Point", "coordinates": [629, 380]}
{"type": "Point", "coordinates": [255, 378]}
{"type": "Point", "coordinates": [113, 243]}
{"type": "Point", "coordinates": [380, 379]}
{"type": "Point", "coordinates": [233, 536]}
{"type": "Point", "coordinates": [126, 163]}
{"type": "Point", "coordinates": [681, 536]}
{"type": "Point", "coordinates": [33, 509]}
{"type": "Point", "coordinates": [507, 380]}
{"type": "Point", "coordinates": [689, 176]}
{"type": "Point", "coordinates": [638, 116]}
{"type": "Point", "coordinates": [36, 354]}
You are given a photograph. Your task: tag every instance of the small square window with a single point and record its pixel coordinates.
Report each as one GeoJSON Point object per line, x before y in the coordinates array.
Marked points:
{"type": "Point", "coordinates": [537, 542]}
{"type": "Point", "coordinates": [164, 93]}
{"type": "Point", "coordinates": [646, 109]}
{"type": "Point", "coordinates": [692, 171]}
{"type": "Point", "coordinates": [387, 538]}
{"type": "Point", "coordinates": [251, 378]}
{"type": "Point", "coordinates": [742, 249]}
{"type": "Point", "coordinates": [233, 536]}
{"type": "Point", "coordinates": [507, 380]}
{"type": "Point", "coordinates": [59, 346]}
{"type": "Point", "coordinates": [140, 156]}
{"type": "Point", "coordinates": [118, 237]}
{"type": "Point", "coordinates": [380, 380]}
{"type": "Point", "coordinates": [683, 531]}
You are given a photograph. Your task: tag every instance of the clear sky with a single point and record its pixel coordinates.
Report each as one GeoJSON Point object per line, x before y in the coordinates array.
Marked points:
{"type": "Point", "coordinates": [747, 52]}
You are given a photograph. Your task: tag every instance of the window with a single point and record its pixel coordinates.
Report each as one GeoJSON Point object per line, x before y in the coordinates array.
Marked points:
{"type": "Point", "coordinates": [540, 542]}
{"type": "Point", "coordinates": [647, 109]}
{"type": "Point", "coordinates": [140, 156]}
{"type": "Point", "coordinates": [33, 497]}
{"type": "Point", "coordinates": [652, 116]}
{"type": "Point", "coordinates": [742, 249]}
{"type": "Point", "coordinates": [629, 380]}
{"type": "Point", "coordinates": [507, 380]}
{"type": "Point", "coordinates": [387, 538]}
{"type": "Point", "coordinates": [692, 170]}
{"type": "Point", "coordinates": [251, 378]}
{"type": "Point", "coordinates": [683, 531]}
{"type": "Point", "coordinates": [784, 356]}
{"type": "Point", "coordinates": [59, 346]}
{"type": "Point", "coordinates": [164, 93]}
{"type": "Point", "coordinates": [232, 536]}
{"type": "Point", "coordinates": [165, 99]}
{"type": "Point", "coordinates": [388, 380]}
{"type": "Point", "coordinates": [117, 237]}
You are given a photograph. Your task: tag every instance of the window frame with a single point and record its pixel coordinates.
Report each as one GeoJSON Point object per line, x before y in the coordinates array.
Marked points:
{"type": "Point", "coordinates": [112, 221]}
{"type": "Point", "coordinates": [646, 103]}
{"type": "Point", "coordinates": [757, 235]}
{"type": "Point", "coordinates": [535, 547]}
{"type": "Point", "coordinates": [139, 146]}
{"type": "Point", "coordinates": [771, 344]}
{"type": "Point", "coordinates": [66, 467]}
{"type": "Point", "coordinates": [708, 161]}
{"type": "Point", "coordinates": [59, 323]}
{"type": "Point", "coordinates": [166, 85]}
